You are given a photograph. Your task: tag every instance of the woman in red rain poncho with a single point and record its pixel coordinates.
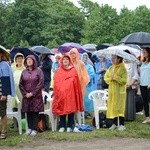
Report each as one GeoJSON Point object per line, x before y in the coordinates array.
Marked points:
{"type": "Point", "coordinates": [68, 97]}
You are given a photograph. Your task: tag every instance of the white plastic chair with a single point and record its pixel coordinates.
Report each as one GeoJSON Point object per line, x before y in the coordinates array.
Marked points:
{"type": "Point", "coordinates": [48, 111]}
{"type": "Point", "coordinates": [80, 118]}
{"type": "Point", "coordinates": [99, 98]}
{"type": "Point", "coordinates": [11, 113]}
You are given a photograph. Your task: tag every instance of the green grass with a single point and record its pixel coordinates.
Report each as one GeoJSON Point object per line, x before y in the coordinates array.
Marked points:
{"type": "Point", "coordinates": [135, 129]}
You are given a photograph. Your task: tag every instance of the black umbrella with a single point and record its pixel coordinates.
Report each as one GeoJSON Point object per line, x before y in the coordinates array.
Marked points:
{"type": "Point", "coordinates": [25, 52]}
{"type": "Point", "coordinates": [42, 50]}
{"type": "Point", "coordinates": [139, 38]}
{"type": "Point", "coordinates": [103, 46]}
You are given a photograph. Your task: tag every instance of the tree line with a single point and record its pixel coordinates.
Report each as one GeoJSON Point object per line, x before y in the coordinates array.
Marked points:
{"type": "Point", "coordinates": [26, 23]}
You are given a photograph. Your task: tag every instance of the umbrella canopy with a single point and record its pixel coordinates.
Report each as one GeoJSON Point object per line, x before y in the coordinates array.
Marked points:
{"type": "Point", "coordinates": [133, 46]}
{"type": "Point", "coordinates": [91, 47]}
{"type": "Point", "coordinates": [139, 38]}
{"type": "Point", "coordinates": [6, 54]}
{"type": "Point", "coordinates": [42, 50]}
{"type": "Point", "coordinates": [108, 53]}
{"type": "Point", "coordinates": [103, 46]}
{"type": "Point", "coordinates": [133, 51]}
{"type": "Point", "coordinates": [66, 47]}
{"type": "Point", "coordinates": [25, 52]}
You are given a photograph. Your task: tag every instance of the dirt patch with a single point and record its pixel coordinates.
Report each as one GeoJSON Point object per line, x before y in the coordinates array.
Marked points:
{"type": "Point", "coordinates": [94, 144]}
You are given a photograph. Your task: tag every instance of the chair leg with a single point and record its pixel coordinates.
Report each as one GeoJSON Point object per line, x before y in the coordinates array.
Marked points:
{"type": "Point", "coordinates": [118, 122]}
{"type": "Point", "coordinates": [19, 124]}
{"type": "Point", "coordinates": [96, 113]}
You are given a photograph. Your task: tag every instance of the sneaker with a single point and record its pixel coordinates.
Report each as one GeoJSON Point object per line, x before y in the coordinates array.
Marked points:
{"type": "Point", "coordinates": [113, 127]}
{"type": "Point", "coordinates": [69, 129]}
{"type": "Point", "coordinates": [62, 129]}
{"type": "Point", "coordinates": [33, 133]}
{"type": "Point", "coordinates": [146, 120]}
{"type": "Point", "coordinates": [121, 128]}
{"type": "Point", "coordinates": [140, 113]}
{"type": "Point", "coordinates": [28, 132]}
{"type": "Point", "coordinates": [76, 130]}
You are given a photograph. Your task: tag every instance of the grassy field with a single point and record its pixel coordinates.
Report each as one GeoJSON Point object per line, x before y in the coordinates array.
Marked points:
{"type": "Point", "coordinates": [135, 129]}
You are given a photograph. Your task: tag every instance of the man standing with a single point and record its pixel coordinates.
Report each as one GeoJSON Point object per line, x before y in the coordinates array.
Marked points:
{"type": "Point", "coordinates": [46, 68]}
{"type": "Point", "coordinates": [6, 88]}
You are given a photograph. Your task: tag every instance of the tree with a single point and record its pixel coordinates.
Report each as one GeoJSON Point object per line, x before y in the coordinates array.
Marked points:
{"type": "Point", "coordinates": [25, 22]}
{"type": "Point", "coordinates": [99, 26]}
{"type": "Point", "coordinates": [63, 24]}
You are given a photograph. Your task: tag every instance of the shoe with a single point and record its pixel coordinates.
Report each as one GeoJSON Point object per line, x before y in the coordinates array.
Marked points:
{"type": "Point", "coordinates": [121, 128]}
{"type": "Point", "coordinates": [76, 130]}
{"type": "Point", "coordinates": [62, 129]}
{"type": "Point", "coordinates": [113, 127]}
{"type": "Point", "coordinates": [3, 135]}
{"type": "Point", "coordinates": [69, 129]}
{"type": "Point", "coordinates": [139, 113]}
{"type": "Point", "coordinates": [33, 133]}
{"type": "Point", "coordinates": [28, 132]}
{"type": "Point", "coordinates": [146, 120]}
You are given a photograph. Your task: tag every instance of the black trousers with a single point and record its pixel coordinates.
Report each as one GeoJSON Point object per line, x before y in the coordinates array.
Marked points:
{"type": "Point", "coordinates": [146, 99]}
{"type": "Point", "coordinates": [121, 121]}
{"type": "Point", "coordinates": [32, 119]}
{"type": "Point", "coordinates": [70, 120]}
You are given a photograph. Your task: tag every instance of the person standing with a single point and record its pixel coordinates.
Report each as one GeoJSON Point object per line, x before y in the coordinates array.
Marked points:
{"type": "Point", "coordinates": [68, 97]}
{"type": "Point", "coordinates": [88, 104]}
{"type": "Point", "coordinates": [80, 68]}
{"type": "Point", "coordinates": [31, 85]}
{"type": "Point", "coordinates": [101, 68]}
{"type": "Point", "coordinates": [116, 78]}
{"type": "Point", "coordinates": [46, 65]}
{"type": "Point", "coordinates": [17, 68]}
{"type": "Point", "coordinates": [145, 82]}
{"type": "Point", "coordinates": [6, 88]}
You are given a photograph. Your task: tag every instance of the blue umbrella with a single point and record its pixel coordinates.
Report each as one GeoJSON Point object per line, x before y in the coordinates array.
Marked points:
{"type": "Point", "coordinates": [25, 52]}
{"type": "Point", "coordinates": [66, 47]}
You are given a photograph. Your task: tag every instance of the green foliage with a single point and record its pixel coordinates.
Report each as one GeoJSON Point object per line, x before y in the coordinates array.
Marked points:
{"type": "Point", "coordinates": [135, 129]}
{"type": "Point", "coordinates": [63, 24]}
{"type": "Point", "coordinates": [99, 26]}
{"type": "Point", "coordinates": [24, 44]}
{"type": "Point", "coordinates": [54, 22]}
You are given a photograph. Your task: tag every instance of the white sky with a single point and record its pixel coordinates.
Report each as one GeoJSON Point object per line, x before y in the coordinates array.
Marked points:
{"type": "Point", "coordinates": [118, 4]}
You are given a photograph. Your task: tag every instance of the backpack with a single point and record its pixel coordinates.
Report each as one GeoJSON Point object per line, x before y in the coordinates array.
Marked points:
{"type": "Point", "coordinates": [43, 123]}
{"type": "Point", "coordinates": [103, 121]}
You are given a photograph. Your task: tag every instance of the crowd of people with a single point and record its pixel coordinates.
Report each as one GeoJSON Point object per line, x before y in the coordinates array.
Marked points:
{"type": "Point", "coordinates": [71, 77]}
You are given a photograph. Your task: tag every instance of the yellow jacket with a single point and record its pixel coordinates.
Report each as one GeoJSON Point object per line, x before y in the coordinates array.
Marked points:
{"type": "Point", "coordinates": [116, 91]}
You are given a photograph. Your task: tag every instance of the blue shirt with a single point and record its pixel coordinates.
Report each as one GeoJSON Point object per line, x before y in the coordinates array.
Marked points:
{"type": "Point", "coordinates": [145, 74]}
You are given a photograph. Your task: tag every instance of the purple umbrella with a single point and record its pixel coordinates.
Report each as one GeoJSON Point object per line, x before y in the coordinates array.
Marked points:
{"type": "Point", "coordinates": [66, 47]}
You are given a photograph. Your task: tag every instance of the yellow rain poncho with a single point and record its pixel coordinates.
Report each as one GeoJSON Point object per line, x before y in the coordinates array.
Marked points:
{"type": "Point", "coordinates": [117, 90]}
{"type": "Point", "coordinates": [81, 70]}
{"type": "Point", "coordinates": [17, 74]}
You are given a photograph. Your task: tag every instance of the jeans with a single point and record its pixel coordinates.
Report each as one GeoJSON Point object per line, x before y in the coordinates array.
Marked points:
{"type": "Point", "coordinates": [70, 120]}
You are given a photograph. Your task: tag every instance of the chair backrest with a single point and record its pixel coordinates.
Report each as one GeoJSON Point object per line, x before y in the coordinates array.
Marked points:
{"type": "Point", "coordinates": [10, 99]}
{"type": "Point", "coordinates": [48, 95]}
{"type": "Point", "coordinates": [99, 98]}
{"type": "Point", "coordinates": [9, 103]}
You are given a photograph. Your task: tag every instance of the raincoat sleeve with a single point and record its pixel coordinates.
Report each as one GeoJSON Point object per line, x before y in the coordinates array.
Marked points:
{"type": "Point", "coordinates": [121, 76]}
{"type": "Point", "coordinates": [91, 73]}
{"type": "Point", "coordinates": [85, 76]}
{"type": "Point", "coordinates": [21, 86]}
{"type": "Point", "coordinates": [40, 84]}
{"type": "Point", "coordinates": [107, 75]}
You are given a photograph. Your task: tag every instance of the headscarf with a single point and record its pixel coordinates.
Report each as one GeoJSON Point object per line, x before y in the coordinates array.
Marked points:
{"type": "Point", "coordinates": [34, 61]}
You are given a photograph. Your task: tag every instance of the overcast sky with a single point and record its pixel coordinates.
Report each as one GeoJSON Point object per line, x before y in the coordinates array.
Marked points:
{"type": "Point", "coordinates": [118, 4]}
